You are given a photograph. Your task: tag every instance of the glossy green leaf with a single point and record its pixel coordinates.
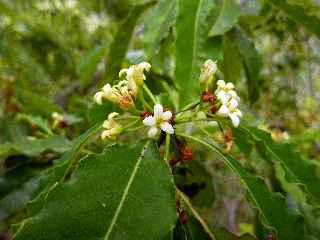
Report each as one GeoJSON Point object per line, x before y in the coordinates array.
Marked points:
{"type": "Point", "coordinates": [128, 195]}
{"type": "Point", "coordinates": [157, 25]}
{"type": "Point", "coordinates": [89, 63]}
{"type": "Point", "coordinates": [193, 46]}
{"type": "Point", "coordinates": [228, 17]}
{"type": "Point", "coordinates": [298, 170]}
{"type": "Point", "coordinates": [297, 13]}
{"type": "Point", "coordinates": [61, 169]}
{"type": "Point", "coordinates": [271, 206]}
{"type": "Point", "coordinates": [120, 43]}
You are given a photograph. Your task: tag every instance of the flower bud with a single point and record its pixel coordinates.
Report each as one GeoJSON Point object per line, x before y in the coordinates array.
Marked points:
{"type": "Point", "coordinates": [112, 128]}
{"type": "Point", "coordinates": [208, 70]}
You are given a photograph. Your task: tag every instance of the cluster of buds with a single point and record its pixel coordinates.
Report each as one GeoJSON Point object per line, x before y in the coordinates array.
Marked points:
{"type": "Point", "coordinates": [135, 75]}
{"type": "Point", "coordinates": [185, 154]}
{"type": "Point", "coordinates": [112, 128]}
{"type": "Point", "coordinates": [125, 91]}
{"type": "Point", "coordinates": [229, 101]}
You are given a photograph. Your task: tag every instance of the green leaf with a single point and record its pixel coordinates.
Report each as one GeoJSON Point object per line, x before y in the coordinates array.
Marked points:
{"type": "Point", "coordinates": [37, 120]}
{"type": "Point", "coordinates": [124, 193]}
{"type": "Point", "coordinates": [251, 62]}
{"type": "Point", "coordinates": [228, 17]}
{"type": "Point", "coordinates": [88, 64]}
{"type": "Point", "coordinates": [271, 206]}
{"type": "Point", "coordinates": [193, 46]}
{"type": "Point", "coordinates": [297, 13]}
{"type": "Point", "coordinates": [298, 170]}
{"type": "Point", "coordinates": [157, 25]}
{"type": "Point", "coordinates": [63, 167]}
{"type": "Point", "coordinates": [232, 64]}
{"type": "Point", "coordinates": [120, 43]}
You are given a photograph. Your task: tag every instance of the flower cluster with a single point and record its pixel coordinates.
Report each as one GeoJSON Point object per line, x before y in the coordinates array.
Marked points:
{"type": "Point", "coordinates": [112, 128]}
{"type": "Point", "coordinates": [125, 91]}
{"type": "Point", "coordinates": [229, 101]}
{"type": "Point", "coordinates": [159, 120]}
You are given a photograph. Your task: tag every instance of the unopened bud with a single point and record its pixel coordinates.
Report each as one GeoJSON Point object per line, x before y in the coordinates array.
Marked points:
{"type": "Point", "coordinates": [208, 70]}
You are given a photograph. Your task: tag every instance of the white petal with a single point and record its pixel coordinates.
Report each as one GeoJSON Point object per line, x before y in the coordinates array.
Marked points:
{"type": "Point", "coordinates": [112, 115]}
{"type": "Point", "coordinates": [122, 83]}
{"type": "Point", "coordinates": [152, 132]}
{"type": "Point", "coordinates": [107, 88]}
{"type": "Point", "coordinates": [149, 121]}
{"type": "Point", "coordinates": [223, 111]}
{"type": "Point", "coordinates": [238, 112]}
{"type": "Point", "coordinates": [167, 115]}
{"type": "Point", "coordinates": [123, 72]}
{"type": "Point", "coordinates": [157, 110]}
{"type": "Point", "coordinates": [221, 83]}
{"type": "Point", "coordinates": [167, 127]}
{"type": "Point", "coordinates": [233, 103]}
{"type": "Point", "coordinates": [229, 86]}
{"type": "Point", "coordinates": [107, 124]}
{"type": "Point", "coordinates": [98, 97]}
{"type": "Point", "coordinates": [145, 65]}
{"type": "Point", "coordinates": [105, 134]}
{"type": "Point", "coordinates": [233, 94]}
{"type": "Point", "coordinates": [235, 119]}
{"type": "Point", "coordinates": [223, 97]}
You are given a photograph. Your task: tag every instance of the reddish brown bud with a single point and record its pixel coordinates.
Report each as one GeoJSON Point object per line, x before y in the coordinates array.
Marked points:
{"type": "Point", "coordinates": [178, 205]}
{"type": "Point", "coordinates": [34, 126]}
{"type": "Point", "coordinates": [207, 96]}
{"type": "Point", "coordinates": [228, 136]}
{"type": "Point", "coordinates": [186, 153]}
{"type": "Point", "coordinates": [214, 109]}
{"type": "Point", "coordinates": [183, 216]}
{"type": "Point", "coordinates": [173, 161]}
{"type": "Point", "coordinates": [63, 124]}
{"type": "Point", "coordinates": [145, 114]}
{"type": "Point", "coordinates": [270, 237]}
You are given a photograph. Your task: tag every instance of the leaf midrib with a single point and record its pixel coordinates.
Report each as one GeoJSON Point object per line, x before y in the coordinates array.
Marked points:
{"type": "Point", "coordinates": [126, 191]}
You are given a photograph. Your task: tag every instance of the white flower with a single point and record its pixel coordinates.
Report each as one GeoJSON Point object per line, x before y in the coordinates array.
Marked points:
{"type": "Point", "coordinates": [225, 92]}
{"type": "Point", "coordinates": [112, 127]}
{"type": "Point", "coordinates": [159, 120]}
{"type": "Point", "coordinates": [231, 110]}
{"type": "Point", "coordinates": [208, 69]}
{"type": "Point", "coordinates": [135, 75]}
